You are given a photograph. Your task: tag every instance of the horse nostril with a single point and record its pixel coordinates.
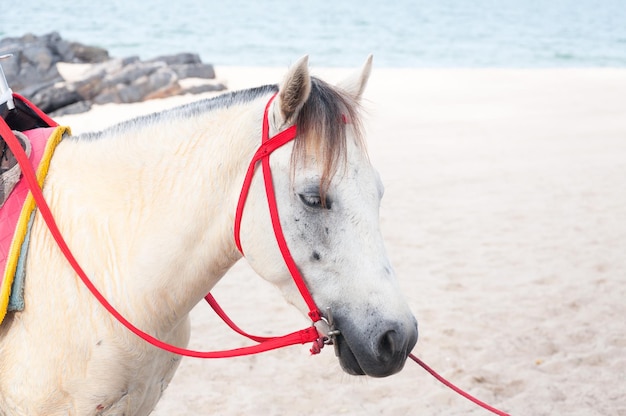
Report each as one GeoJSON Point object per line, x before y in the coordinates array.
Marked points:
{"type": "Point", "coordinates": [388, 345]}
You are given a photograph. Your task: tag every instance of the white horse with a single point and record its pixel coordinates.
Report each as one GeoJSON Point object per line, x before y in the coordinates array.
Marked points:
{"type": "Point", "coordinates": [147, 208]}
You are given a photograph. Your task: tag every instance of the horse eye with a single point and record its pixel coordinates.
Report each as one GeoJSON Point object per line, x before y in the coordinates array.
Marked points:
{"type": "Point", "coordinates": [313, 200]}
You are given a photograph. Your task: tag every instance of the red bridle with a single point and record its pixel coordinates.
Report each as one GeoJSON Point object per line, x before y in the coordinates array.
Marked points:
{"type": "Point", "coordinates": [268, 145]}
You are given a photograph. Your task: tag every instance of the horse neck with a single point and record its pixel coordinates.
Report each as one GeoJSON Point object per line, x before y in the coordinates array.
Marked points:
{"type": "Point", "coordinates": [159, 200]}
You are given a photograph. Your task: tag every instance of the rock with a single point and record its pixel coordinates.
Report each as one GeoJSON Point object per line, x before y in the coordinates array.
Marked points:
{"type": "Point", "coordinates": [202, 88]}
{"type": "Point", "coordinates": [64, 50]}
{"type": "Point", "coordinates": [76, 108]}
{"type": "Point", "coordinates": [204, 71]}
{"type": "Point", "coordinates": [168, 91]}
{"type": "Point", "coordinates": [84, 53]}
{"type": "Point", "coordinates": [33, 72]}
{"type": "Point", "coordinates": [107, 95]}
{"type": "Point", "coordinates": [90, 87]}
{"type": "Point", "coordinates": [39, 56]}
{"type": "Point", "coordinates": [130, 93]}
{"type": "Point", "coordinates": [132, 72]}
{"type": "Point", "coordinates": [161, 78]}
{"type": "Point", "coordinates": [34, 89]}
{"type": "Point", "coordinates": [59, 96]}
{"type": "Point", "coordinates": [178, 59]}
{"type": "Point", "coordinates": [34, 59]}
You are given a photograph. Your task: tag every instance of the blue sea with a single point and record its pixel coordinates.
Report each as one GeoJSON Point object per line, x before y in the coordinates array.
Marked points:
{"type": "Point", "coordinates": [340, 33]}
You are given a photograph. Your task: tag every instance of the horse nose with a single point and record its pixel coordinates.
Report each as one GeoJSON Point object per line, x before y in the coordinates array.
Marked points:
{"type": "Point", "coordinates": [394, 345]}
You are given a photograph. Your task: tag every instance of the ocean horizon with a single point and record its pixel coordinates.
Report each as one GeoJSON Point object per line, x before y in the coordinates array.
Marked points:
{"type": "Point", "coordinates": [404, 33]}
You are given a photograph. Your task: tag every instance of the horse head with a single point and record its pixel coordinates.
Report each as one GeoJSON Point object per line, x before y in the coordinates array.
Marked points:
{"type": "Point", "coordinates": [328, 196]}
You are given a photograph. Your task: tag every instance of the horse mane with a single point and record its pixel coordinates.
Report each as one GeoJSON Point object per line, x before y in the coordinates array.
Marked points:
{"type": "Point", "coordinates": [185, 111]}
{"type": "Point", "coordinates": [323, 123]}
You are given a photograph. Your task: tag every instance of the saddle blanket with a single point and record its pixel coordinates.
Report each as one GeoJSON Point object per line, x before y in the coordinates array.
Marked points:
{"type": "Point", "coordinates": [16, 216]}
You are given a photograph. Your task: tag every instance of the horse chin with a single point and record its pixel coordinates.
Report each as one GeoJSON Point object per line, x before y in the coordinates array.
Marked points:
{"type": "Point", "coordinates": [347, 359]}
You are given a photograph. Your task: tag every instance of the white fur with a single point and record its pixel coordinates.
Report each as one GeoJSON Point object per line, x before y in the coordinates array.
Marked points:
{"type": "Point", "coordinates": [149, 215]}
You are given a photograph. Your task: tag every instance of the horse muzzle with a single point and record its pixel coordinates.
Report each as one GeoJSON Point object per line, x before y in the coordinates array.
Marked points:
{"type": "Point", "coordinates": [377, 352]}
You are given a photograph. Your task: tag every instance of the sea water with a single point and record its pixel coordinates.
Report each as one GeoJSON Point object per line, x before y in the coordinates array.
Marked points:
{"type": "Point", "coordinates": [336, 33]}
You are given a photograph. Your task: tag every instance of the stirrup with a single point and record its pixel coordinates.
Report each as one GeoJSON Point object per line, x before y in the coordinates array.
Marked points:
{"type": "Point", "coordinates": [10, 171]}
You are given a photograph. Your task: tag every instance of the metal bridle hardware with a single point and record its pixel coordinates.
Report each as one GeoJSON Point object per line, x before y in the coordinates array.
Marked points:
{"type": "Point", "coordinates": [331, 336]}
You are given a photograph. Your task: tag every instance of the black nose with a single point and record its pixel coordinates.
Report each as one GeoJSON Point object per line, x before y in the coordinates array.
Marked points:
{"type": "Point", "coordinates": [380, 351]}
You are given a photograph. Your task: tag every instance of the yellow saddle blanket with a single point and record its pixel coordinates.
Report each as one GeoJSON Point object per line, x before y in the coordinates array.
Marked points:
{"type": "Point", "coordinates": [16, 218]}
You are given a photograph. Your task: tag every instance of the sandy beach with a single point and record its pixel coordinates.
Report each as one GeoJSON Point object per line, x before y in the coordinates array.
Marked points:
{"type": "Point", "coordinates": [505, 219]}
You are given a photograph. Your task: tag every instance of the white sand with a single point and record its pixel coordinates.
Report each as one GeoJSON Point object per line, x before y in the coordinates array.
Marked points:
{"type": "Point", "coordinates": [505, 218]}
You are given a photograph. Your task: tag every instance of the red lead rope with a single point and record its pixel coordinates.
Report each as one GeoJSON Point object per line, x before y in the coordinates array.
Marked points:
{"type": "Point", "coordinates": [456, 389]}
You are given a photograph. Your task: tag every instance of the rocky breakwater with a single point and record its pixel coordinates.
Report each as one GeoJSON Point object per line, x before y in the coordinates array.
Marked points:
{"type": "Point", "coordinates": [63, 77]}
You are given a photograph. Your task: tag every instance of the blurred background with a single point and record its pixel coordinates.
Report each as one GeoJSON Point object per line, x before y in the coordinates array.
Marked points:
{"type": "Point", "coordinates": [402, 33]}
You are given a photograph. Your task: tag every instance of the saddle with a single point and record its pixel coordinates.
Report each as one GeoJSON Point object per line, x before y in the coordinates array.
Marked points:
{"type": "Point", "coordinates": [38, 135]}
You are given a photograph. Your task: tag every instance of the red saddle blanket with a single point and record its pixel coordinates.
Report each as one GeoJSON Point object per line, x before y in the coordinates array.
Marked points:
{"type": "Point", "coordinates": [15, 216]}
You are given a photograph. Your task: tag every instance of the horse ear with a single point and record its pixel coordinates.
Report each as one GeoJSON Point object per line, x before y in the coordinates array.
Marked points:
{"type": "Point", "coordinates": [356, 83]}
{"type": "Point", "coordinates": [295, 89]}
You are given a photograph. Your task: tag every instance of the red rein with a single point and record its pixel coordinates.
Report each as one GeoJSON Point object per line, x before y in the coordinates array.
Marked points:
{"type": "Point", "coordinates": [456, 389]}
{"type": "Point", "coordinates": [304, 336]}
